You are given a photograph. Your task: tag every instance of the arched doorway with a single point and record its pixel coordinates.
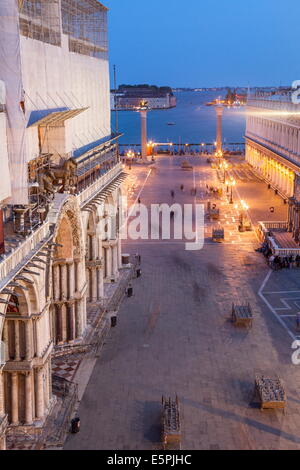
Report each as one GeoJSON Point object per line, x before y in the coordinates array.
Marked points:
{"type": "Point", "coordinates": [68, 277]}
{"type": "Point", "coordinates": [26, 376]}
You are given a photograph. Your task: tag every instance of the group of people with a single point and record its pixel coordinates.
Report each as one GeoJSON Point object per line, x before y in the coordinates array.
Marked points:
{"type": "Point", "coordinates": [213, 191]}
{"type": "Point", "coordinates": [193, 191]}
{"type": "Point", "coordinates": [277, 262]}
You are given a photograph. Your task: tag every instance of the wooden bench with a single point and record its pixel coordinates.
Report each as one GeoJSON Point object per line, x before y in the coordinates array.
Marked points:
{"type": "Point", "coordinates": [242, 315]}
{"type": "Point", "coordinates": [186, 166]}
{"type": "Point", "coordinates": [171, 426]}
{"type": "Point", "coordinates": [218, 235]}
{"type": "Point", "coordinates": [270, 392]}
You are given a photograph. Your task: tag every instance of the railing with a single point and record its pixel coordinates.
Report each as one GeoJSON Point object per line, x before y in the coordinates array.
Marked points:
{"type": "Point", "coordinates": [266, 229]}
{"type": "Point", "coordinates": [10, 262]}
{"type": "Point", "coordinates": [280, 105]}
{"type": "Point", "coordinates": [282, 252]}
{"type": "Point", "coordinates": [88, 193]}
{"type": "Point", "coordinates": [275, 226]}
{"type": "Point", "coordinates": [185, 148]}
{"type": "Point", "coordinates": [56, 427]}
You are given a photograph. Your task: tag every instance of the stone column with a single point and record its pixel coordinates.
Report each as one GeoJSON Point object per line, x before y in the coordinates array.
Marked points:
{"type": "Point", "coordinates": [5, 340]}
{"type": "Point", "coordinates": [64, 281]}
{"type": "Point", "coordinates": [71, 269]}
{"type": "Point", "coordinates": [28, 345]}
{"type": "Point", "coordinates": [115, 260]}
{"type": "Point", "coordinates": [56, 282]}
{"type": "Point", "coordinates": [28, 398]}
{"type": "Point", "coordinates": [93, 274]}
{"type": "Point", "coordinates": [94, 247]}
{"type": "Point", "coordinates": [78, 317]}
{"type": "Point", "coordinates": [14, 399]}
{"type": "Point", "coordinates": [2, 403]}
{"type": "Point", "coordinates": [100, 284]}
{"type": "Point", "coordinates": [219, 111]}
{"type": "Point", "coordinates": [58, 324]}
{"type": "Point", "coordinates": [71, 321]}
{"type": "Point", "coordinates": [17, 340]}
{"type": "Point", "coordinates": [39, 394]}
{"type": "Point", "coordinates": [144, 133]}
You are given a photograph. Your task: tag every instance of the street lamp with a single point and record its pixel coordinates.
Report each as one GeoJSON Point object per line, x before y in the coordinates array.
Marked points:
{"type": "Point", "coordinates": [243, 209]}
{"type": "Point", "coordinates": [130, 156]}
{"type": "Point", "coordinates": [231, 183]}
{"type": "Point", "coordinates": [224, 166]}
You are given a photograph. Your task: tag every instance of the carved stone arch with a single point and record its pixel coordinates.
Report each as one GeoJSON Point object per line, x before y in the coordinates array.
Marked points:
{"type": "Point", "coordinates": [69, 231]}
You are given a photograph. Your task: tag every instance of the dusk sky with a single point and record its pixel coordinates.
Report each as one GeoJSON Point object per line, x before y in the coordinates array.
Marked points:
{"type": "Point", "coordinates": [205, 43]}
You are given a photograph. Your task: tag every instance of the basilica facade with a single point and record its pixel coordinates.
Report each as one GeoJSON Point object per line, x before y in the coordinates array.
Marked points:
{"type": "Point", "coordinates": [61, 213]}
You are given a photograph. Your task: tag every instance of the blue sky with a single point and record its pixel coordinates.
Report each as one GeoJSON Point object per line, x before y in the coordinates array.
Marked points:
{"type": "Point", "coordinates": [196, 43]}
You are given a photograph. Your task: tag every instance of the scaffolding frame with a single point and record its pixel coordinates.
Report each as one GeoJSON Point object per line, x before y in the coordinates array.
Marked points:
{"type": "Point", "coordinates": [40, 20]}
{"type": "Point", "coordinates": [85, 22]}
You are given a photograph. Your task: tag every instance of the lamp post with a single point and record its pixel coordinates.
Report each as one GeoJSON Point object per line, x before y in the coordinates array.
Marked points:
{"type": "Point", "coordinates": [130, 155]}
{"type": "Point", "coordinates": [243, 208]}
{"type": "Point", "coordinates": [224, 166]}
{"type": "Point", "coordinates": [231, 183]}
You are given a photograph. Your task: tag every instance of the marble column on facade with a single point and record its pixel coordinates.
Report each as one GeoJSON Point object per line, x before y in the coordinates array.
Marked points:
{"type": "Point", "coordinates": [291, 214]}
{"type": "Point", "coordinates": [58, 323]}
{"type": "Point", "coordinates": [119, 253]}
{"type": "Point", "coordinates": [5, 340]}
{"type": "Point", "coordinates": [28, 340]}
{"type": "Point", "coordinates": [94, 247]}
{"type": "Point", "coordinates": [17, 340]}
{"type": "Point", "coordinates": [115, 261]}
{"type": "Point", "coordinates": [64, 316]}
{"type": "Point", "coordinates": [78, 318]}
{"type": "Point", "coordinates": [2, 403]}
{"type": "Point", "coordinates": [39, 394]}
{"type": "Point", "coordinates": [71, 321]}
{"type": "Point", "coordinates": [56, 282]}
{"type": "Point", "coordinates": [71, 278]}
{"type": "Point", "coordinates": [14, 399]}
{"type": "Point", "coordinates": [108, 262]}
{"type": "Point", "coordinates": [93, 277]}
{"type": "Point", "coordinates": [100, 284]}
{"type": "Point", "coordinates": [28, 398]}
{"type": "Point", "coordinates": [64, 281]}
{"type": "Point", "coordinates": [280, 179]}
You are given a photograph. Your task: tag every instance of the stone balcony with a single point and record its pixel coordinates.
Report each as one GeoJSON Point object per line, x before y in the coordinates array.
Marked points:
{"type": "Point", "coordinates": [90, 192]}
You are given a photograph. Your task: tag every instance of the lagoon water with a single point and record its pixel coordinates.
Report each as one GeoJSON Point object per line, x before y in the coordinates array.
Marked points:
{"type": "Point", "coordinates": [194, 122]}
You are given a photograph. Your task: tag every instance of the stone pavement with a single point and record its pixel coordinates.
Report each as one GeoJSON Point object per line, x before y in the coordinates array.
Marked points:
{"type": "Point", "coordinates": [174, 336]}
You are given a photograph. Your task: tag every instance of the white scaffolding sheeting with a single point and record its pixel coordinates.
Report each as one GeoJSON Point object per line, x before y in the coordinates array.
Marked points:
{"type": "Point", "coordinates": [10, 73]}
{"type": "Point", "coordinates": [5, 189]}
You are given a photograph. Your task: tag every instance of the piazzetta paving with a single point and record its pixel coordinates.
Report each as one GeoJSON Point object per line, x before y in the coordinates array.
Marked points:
{"type": "Point", "coordinates": [175, 335]}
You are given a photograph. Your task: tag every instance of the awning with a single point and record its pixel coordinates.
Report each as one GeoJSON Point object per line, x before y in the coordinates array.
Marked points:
{"type": "Point", "coordinates": [57, 118]}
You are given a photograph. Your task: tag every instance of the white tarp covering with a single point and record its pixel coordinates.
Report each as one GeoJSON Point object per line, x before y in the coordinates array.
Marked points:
{"type": "Point", "coordinates": [10, 73]}
{"type": "Point", "coordinates": [5, 190]}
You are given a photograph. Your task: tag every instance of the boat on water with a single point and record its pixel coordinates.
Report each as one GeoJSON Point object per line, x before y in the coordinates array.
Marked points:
{"type": "Point", "coordinates": [170, 123]}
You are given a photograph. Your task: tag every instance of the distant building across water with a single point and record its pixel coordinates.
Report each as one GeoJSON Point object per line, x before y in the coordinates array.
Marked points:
{"type": "Point", "coordinates": [129, 97]}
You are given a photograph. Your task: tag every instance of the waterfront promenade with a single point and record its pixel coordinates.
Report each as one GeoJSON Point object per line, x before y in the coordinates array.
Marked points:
{"type": "Point", "coordinates": [175, 336]}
